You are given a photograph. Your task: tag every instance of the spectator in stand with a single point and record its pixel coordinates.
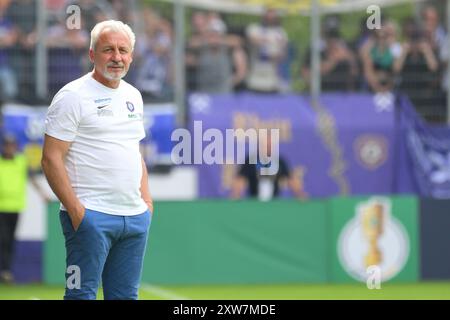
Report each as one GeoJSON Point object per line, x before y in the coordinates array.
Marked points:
{"type": "Point", "coordinates": [358, 42]}
{"type": "Point", "coordinates": [418, 67]}
{"type": "Point", "coordinates": [338, 67]}
{"type": "Point", "coordinates": [437, 38]}
{"type": "Point", "coordinates": [394, 44]}
{"type": "Point", "coordinates": [23, 15]}
{"type": "Point", "coordinates": [65, 50]}
{"type": "Point", "coordinates": [268, 47]}
{"type": "Point", "coordinates": [362, 37]}
{"type": "Point", "coordinates": [199, 23]}
{"type": "Point", "coordinates": [379, 54]}
{"type": "Point", "coordinates": [8, 39]}
{"type": "Point", "coordinates": [219, 60]}
{"type": "Point", "coordinates": [433, 30]}
{"type": "Point", "coordinates": [154, 76]}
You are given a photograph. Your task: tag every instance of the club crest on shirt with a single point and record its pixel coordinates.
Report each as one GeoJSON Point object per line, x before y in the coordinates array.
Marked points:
{"type": "Point", "coordinates": [130, 106]}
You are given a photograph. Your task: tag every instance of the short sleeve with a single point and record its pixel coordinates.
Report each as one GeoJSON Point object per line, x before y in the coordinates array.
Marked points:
{"type": "Point", "coordinates": [63, 116]}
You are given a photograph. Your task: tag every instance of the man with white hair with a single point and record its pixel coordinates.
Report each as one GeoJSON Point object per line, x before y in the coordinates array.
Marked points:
{"type": "Point", "coordinates": [92, 162]}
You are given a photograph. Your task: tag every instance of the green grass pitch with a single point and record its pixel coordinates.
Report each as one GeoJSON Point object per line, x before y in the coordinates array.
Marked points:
{"type": "Point", "coordinates": [413, 291]}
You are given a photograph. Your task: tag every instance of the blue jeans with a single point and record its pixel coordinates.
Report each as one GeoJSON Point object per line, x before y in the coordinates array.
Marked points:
{"type": "Point", "coordinates": [106, 247]}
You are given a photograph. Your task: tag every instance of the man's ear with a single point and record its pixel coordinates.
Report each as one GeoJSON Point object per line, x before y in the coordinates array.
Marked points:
{"type": "Point", "coordinates": [91, 55]}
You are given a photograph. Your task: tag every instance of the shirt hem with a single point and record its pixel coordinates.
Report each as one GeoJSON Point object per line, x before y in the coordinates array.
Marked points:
{"type": "Point", "coordinates": [130, 212]}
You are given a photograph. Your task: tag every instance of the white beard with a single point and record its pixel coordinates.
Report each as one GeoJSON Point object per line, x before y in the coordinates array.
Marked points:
{"type": "Point", "coordinates": [113, 76]}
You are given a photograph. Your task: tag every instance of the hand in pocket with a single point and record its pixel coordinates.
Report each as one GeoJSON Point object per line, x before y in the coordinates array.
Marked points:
{"type": "Point", "coordinates": [77, 218]}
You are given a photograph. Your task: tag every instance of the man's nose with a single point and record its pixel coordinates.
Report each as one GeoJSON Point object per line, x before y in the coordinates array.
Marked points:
{"type": "Point", "coordinates": [117, 57]}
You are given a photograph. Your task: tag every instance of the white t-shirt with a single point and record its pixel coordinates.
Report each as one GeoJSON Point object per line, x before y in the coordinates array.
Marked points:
{"type": "Point", "coordinates": [105, 126]}
{"type": "Point", "coordinates": [263, 73]}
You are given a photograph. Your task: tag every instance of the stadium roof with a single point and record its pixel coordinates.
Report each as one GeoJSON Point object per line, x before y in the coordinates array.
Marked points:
{"type": "Point", "coordinates": [288, 6]}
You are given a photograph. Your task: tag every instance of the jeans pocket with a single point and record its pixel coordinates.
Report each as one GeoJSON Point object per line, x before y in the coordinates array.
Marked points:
{"type": "Point", "coordinates": [82, 223]}
{"type": "Point", "coordinates": [66, 224]}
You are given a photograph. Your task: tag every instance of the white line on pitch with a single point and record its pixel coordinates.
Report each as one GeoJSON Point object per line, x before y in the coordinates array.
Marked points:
{"type": "Point", "coordinates": [162, 293]}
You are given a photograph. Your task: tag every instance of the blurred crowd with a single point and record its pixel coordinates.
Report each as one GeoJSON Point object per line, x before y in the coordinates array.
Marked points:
{"type": "Point", "coordinates": [67, 48]}
{"type": "Point", "coordinates": [407, 56]}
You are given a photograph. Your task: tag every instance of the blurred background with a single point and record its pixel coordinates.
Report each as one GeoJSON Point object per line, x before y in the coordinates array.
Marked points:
{"type": "Point", "coordinates": [358, 89]}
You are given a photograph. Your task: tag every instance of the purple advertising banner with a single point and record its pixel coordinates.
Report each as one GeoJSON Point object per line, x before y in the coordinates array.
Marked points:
{"type": "Point", "coordinates": [424, 155]}
{"type": "Point", "coordinates": [27, 124]}
{"type": "Point", "coordinates": [343, 146]}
